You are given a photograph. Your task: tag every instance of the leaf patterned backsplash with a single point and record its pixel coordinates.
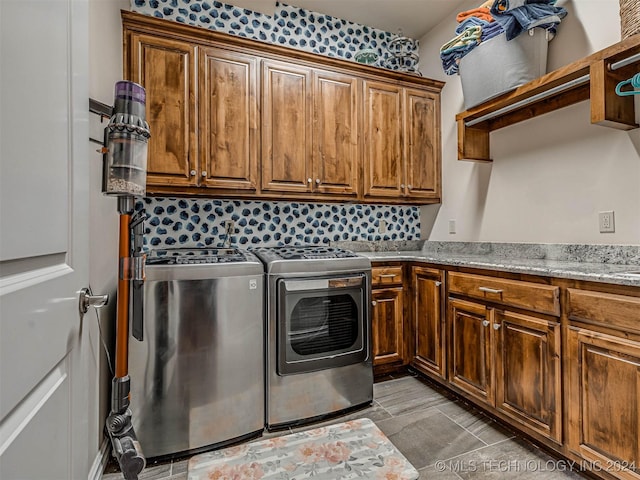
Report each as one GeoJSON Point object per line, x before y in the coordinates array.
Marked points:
{"type": "Point", "coordinates": [289, 26]}
{"type": "Point", "coordinates": [182, 222]}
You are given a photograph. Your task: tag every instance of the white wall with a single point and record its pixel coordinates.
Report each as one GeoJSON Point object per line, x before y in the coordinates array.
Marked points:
{"type": "Point", "coordinates": [105, 68]}
{"type": "Point", "coordinates": [550, 175]}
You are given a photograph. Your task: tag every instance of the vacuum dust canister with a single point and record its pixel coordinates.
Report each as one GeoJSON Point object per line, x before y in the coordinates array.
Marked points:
{"type": "Point", "coordinates": [126, 140]}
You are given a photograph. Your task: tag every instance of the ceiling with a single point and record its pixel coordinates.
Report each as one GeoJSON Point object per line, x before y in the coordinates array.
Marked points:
{"type": "Point", "coordinates": [414, 17]}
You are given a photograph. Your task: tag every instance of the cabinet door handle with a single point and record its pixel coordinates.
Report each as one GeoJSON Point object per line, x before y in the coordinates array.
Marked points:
{"type": "Point", "coordinates": [204, 173]}
{"type": "Point", "coordinates": [496, 326]}
{"type": "Point", "coordinates": [485, 323]}
{"type": "Point", "coordinates": [374, 303]}
{"type": "Point", "coordinates": [193, 173]}
{"type": "Point", "coordinates": [387, 275]}
{"type": "Point", "coordinates": [402, 186]}
{"type": "Point", "coordinates": [318, 181]}
{"type": "Point", "coordinates": [309, 180]}
{"type": "Point", "coordinates": [409, 187]}
{"type": "Point", "coordinates": [438, 283]}
{"type": "Point", "coordinates": [489, 290]}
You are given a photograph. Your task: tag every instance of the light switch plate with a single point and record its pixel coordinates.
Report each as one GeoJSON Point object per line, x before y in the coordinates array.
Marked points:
{"type": "Point", "coordinates": [452, 226]}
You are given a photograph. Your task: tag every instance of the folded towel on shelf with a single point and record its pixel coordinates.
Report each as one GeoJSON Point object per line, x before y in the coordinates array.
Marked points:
{"type": "Point", "coordinates": [490, 31]}
{"type": "Point", "coordinates": [472, 22]}
{"type": "Point", "coordinates": [452, 51]}
{"type": "Point", "coordinates": [480, 12]}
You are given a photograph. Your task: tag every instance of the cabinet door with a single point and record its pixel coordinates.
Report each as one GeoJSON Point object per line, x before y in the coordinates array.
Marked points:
{"type": "Point", "coordinates": [286, 128]}
{"type": "Point", "coordinates": [383, 161]}
{"type": "Point", "coordinates": [470, 356]}
{"type": "Point", "coordinates": [387, 331]}
{"type": "Point", "coordinates": [229, 133]}
{"type": "Point", "coordinates": [335, 134]}
{"type": "Point", "coordinates": [422, 144]}
{"type": "Point", "coordinates": [528, 371]}
{"type": "Point", "coordinates": [429, 356]}
{"type": "Point", "coordinates": [166, 69]}
{"type": "Point", "coordinates": [604, 401]}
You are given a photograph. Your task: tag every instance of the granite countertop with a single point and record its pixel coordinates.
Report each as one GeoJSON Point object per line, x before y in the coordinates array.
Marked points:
{"type": "Point", "coordinates": [595, 272]}
{"type": "Point", "coordinates": [613, 264]}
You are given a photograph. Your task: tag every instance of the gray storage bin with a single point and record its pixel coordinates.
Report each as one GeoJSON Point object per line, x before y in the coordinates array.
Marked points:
{"type": "Point", "coordinates": [497, 65]}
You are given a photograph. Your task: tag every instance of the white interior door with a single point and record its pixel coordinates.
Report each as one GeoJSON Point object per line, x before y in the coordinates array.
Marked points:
{"type": "Point", "coordinates": [44, 380]}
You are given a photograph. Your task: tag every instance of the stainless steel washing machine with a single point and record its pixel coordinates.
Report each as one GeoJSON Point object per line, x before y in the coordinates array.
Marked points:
{"type": "Point", "coordinates": [197, 378]}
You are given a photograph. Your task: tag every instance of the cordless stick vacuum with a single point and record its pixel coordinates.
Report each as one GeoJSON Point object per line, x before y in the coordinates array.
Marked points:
{"type": "Point", "coordinates": [124, 175]}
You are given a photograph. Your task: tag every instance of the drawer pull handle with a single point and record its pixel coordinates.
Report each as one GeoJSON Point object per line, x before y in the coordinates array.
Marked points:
{"type": "Point", "coordinates": [485, 323]}
{"type": "Point", "coordinates": [387, 275]}
{"type": "Point", "coordinates": [374, 303]}
{"type": "Point", "coordinates": [489, 290]}
{"type": "Point", "coordinates": [496, 326]}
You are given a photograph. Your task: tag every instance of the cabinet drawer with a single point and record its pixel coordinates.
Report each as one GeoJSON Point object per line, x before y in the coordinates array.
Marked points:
{"type": "Point", "coordinates": [620, 312]}
{"type": "Point", "coordinates": [386, 275]}
{"type": "Point", "coordinates": [515, 293]}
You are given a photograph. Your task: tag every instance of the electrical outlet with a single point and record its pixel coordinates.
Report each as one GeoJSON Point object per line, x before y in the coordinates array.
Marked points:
{"type": "Point", "coordinates": [607, 222]}
{"type": "Point", "coordinates": [452, 226]}
{"type": "Point", "coordinates": [382, 226]}
{"type": "Point", "coordinates": [229, 227]}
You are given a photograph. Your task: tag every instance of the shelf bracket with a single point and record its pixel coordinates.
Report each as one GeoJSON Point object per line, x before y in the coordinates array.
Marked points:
{"type": "Point", "coordinates": [473, 142]}
{"type": "Point", "coordinates": [607, 108]}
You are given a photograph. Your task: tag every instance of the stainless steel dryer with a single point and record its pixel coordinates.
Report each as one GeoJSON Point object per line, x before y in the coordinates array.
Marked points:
{"type": "Point", "coordinates": [318, 357]}
{"type": "Point", "coordinates": [197, 378]}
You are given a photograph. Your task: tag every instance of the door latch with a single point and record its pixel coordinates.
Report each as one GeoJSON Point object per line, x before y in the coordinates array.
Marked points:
{"type": "Point", "coordinates": [87, 299]}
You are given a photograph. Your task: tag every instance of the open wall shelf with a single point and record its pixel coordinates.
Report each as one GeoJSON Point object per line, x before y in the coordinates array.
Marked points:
{"type": "Point", "coordinates": [594, 77]}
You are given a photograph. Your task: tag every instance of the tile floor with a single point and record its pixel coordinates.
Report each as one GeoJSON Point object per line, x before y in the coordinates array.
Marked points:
{"type": "Point", "coordinates": [443, 438]}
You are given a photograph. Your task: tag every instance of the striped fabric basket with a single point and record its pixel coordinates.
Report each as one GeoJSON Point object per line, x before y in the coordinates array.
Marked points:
{"type": "Point", "coordinates": [629, 17]}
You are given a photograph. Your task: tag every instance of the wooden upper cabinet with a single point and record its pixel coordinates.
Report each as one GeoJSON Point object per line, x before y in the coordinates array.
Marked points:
{"type": "Point", "coordinates": [229, 133]}
{"type": "Point", "coordinates": [245, 119]}
{"type": "Point", "coordinates": [286, 129]}
{"type": "Point", "coordinates": [422, 144]}
{"type": "Point", "coordinates": [166, 69]}
{"type": "Point", "coordinates": [383, 162]}
{"type": "Point", "coordinates": [402, 153]}
{"type": "Point", "coordinates": [335, 134]}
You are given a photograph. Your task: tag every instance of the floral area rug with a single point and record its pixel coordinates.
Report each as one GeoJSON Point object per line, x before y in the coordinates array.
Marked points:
{"type": "Point", "coordinates": [349, 450]}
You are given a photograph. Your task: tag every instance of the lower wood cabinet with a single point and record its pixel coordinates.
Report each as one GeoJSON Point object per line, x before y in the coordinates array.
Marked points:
{"type": "Point", "coordinates": [428, 321]}
{"type": "Point", "coordinates": [387, 318]}
{"type": "Point", "coordinates": [528, 371]}
{"type": "Point", "coordinates": [563, 369]}
{"type": "Point", "coordinates": [508, 360]}
{"type": "Point", "coordinates": [470, 355]}
{"type": "Point", "coordinates": [603, 401]}
{"type": "Point", "coordinates": [388, 331]}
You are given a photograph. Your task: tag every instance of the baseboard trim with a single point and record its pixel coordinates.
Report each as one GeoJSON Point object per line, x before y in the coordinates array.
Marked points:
{"type": "Point", "coordinates": [95, 473]}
